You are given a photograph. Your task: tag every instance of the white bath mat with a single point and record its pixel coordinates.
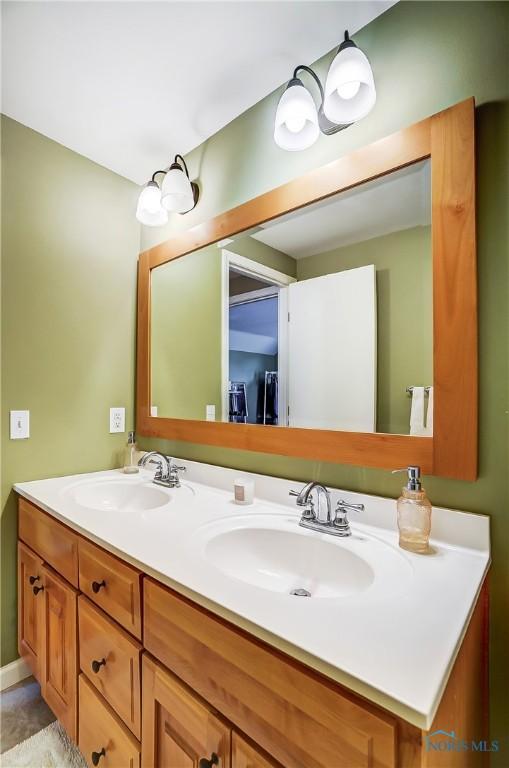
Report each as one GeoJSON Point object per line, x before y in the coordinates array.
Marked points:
{"type": "Point", "coordinates": [50, 748]}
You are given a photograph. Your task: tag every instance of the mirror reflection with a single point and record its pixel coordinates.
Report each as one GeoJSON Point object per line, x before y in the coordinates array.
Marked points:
{"type": "Point", "coordinates": [321, 318]}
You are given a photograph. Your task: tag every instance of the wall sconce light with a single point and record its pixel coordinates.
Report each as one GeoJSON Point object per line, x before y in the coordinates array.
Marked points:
{"type": "Point", "coordinates": [349, 95]}
{"type": "Point", "coordinates": [177, 193]}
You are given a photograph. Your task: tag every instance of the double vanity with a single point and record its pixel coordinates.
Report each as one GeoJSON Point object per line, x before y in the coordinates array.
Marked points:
{"type": "Point", "coordinates": [174, 627]}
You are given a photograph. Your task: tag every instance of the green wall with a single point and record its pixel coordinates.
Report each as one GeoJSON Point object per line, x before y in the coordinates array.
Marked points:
{"type": "Point", "coordinates": [404, 313]}
{"type": "Point", "coordinates": [245, 245]}
{"type": "Point", "coordinates": [69, 252]}
{"type": "Point", "coordinates": [186, 335]}
{"type": "Point", "coordinates": [426, 56]}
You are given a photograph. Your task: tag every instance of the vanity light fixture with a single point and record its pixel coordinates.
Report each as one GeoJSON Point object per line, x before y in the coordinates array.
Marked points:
{"type": "Point", "coordinates": [176, 193]}
{"type": "Point", "coordinates": [348, 96]}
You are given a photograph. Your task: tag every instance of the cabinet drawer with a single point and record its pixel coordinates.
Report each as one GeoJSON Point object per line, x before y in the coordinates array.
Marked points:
{"type": "Point", "coordinates": [51, 540]}
{"type": "Point", "coordinates": [116, 658]}
{"type": "Point", "coordinates": [298, 717]}
{"type": "Point", "coordinates": [101, 734]}
{"type": "Point", "coordinates": [111, 584]}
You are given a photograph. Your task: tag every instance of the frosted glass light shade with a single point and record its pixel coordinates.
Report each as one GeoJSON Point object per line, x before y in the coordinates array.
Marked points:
{"type": "Point", "coordinates": [149, 210]}
{"type": "Point", "coordinates": [296, 123]}
{"type": "Point", "coordinates": [177, 193]}
{"type": "Point", "coordinates": [350, 92]}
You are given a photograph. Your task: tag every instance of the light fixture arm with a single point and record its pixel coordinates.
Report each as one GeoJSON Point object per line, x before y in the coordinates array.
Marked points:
{"type": "Point", "coordinates": [179, 157]}
{"type": "Point", "coordinates": [313, 75]}
{"type": "Point", "coordinates": [156, 172]}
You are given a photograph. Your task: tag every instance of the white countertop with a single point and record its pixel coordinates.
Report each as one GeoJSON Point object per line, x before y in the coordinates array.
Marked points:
{"type": "Point", "coordinates": [394, 645]}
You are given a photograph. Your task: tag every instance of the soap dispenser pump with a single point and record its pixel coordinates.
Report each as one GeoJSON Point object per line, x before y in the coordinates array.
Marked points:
{"type": "Point", "coordinates": [414, 514]}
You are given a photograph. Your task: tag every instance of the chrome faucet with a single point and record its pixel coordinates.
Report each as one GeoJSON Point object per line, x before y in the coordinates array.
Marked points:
{"type": "Point", "coordinates": [167, 472]}
{"type": "Point", "coordinates": [314, 520]}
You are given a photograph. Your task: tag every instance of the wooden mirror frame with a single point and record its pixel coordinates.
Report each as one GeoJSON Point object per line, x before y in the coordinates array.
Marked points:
{"type": "Point", "coordinates": [448, 138]}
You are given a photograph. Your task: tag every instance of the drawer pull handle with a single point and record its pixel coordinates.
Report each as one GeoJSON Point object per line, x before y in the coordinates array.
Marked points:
{"type": "Point", "coordinates": [204, 763]}
{"type": "Point", "coordinates": [96, 665]}
{"type": "Point", "coordinates": [97, 585]}
{"type": "Point", "coordinates": [96, 756]}
{"type": "Point", "coordinates": [36, 590]}
{"type": "Point", "coordinates": [33, 579]}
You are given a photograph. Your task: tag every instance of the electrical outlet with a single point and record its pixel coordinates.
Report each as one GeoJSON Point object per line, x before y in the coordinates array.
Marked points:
{"type": "Point", "coordinates": [153, 410]}
{"type": "Point", "coordinates": [210, 412]}
{"type": "Point", "coordinates": [20, 425]}
{"type": "Point", "coordinates": [117, 420]}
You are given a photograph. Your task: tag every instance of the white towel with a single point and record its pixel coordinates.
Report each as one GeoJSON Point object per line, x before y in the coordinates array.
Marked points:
{"type": "Point", "coordinates": [429, 414]}
{"type": "Point", "coordinates": [417, 412]}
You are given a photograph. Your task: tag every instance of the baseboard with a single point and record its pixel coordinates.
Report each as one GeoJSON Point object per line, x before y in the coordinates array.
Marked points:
{"type": "Point", "coordinates": [13, 673]}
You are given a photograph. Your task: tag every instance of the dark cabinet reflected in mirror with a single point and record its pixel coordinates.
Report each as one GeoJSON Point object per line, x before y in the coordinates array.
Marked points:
{"type": "Point", "coordinates": [321, 318]}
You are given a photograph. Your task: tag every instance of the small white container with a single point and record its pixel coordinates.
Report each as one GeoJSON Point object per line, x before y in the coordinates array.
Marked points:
{"type": "Point", "coordinates": [243, 491]}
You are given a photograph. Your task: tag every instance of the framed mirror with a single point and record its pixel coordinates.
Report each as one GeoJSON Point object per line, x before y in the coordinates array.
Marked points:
{"type": "Point", "coordinates": [333, 318]}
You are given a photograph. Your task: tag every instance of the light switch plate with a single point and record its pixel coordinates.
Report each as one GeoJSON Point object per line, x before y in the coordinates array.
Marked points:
{"type": "Point", "coordinates": [210, 412]}
{"type": "Point", "coordinates": [20, 425]}
{"type": "Point", "coordinates": [117, 420]}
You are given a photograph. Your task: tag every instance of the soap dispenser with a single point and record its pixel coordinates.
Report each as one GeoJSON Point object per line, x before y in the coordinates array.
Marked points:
{"type": "Point", "coordinates": [130, 463]}
{"type": "Point", "coordinates": [414, 514]}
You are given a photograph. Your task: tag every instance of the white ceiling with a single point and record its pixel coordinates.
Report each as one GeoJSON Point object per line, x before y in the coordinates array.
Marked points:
{"type": "Point", "coordinates": [129, 84]}
{"type": "Point", "coordinates": [395, 202]}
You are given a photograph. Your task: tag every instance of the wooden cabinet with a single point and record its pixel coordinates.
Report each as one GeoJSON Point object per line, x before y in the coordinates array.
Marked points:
{"type": "Point", "coordinates": [103, 739]}
{"type": "Point", "coordinates": [113, 585]}
{"type": "Point", "coordinates": [30, 635]}
{"type": "Point", "coordinates": [179, 731]}
{"type": "Point", "coordinates": [213, 695]}
{"type": "Point", "coordinates": [111, 659]}
{"type": "Point", "coordinates": [59, 667]}
{"type": "Point", "coordinates": [246, 755]}
{"type": "Point", "coordinates": [298, 717]}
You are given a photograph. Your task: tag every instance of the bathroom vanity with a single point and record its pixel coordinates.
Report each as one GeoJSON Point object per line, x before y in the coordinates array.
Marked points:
{"type": "Point", "coordinates": [163, 630]}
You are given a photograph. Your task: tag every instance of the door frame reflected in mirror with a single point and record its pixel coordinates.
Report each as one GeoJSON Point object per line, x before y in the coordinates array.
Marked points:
{"type": "Point", "coordinates": [281, 280]}
{"type": "Point", "coordinates": [448, 139]}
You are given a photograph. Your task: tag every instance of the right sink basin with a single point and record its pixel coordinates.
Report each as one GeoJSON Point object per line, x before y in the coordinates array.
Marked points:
{"type": "Point", "coordinates": [272, 552]}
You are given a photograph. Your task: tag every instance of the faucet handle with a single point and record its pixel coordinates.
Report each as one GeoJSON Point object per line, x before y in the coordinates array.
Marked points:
{"type": "Point", "coordinates": [346, 505]}
{"type": "Point", "coordinates": [293, 493]}
{"type": "Point", "coordinates": [341, 516]}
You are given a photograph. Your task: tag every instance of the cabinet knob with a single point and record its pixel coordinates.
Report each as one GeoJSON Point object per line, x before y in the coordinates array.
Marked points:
{"type": "Point", "coordinates": [96, 756]}
{"type": "Point", "coordinates": [96, 665]}
{"type": "Point", "coordinates": [36, 590]}
{"type": "Point", "coordinates": [33, 579]}
{"type": "Point", "coordinates": [213, 760]}
{"type": "Point", "coordinates": [97, 585]}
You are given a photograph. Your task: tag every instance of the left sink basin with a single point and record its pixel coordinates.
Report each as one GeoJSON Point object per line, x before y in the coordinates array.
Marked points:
{"type": "Point", "coordinates": [119, 495]}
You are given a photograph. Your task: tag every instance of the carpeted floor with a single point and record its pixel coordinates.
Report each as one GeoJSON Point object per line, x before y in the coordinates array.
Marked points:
{"type": "Point", "coordinates": [22, 713]}
{"type": "Point", "coordinates": [49, 748]}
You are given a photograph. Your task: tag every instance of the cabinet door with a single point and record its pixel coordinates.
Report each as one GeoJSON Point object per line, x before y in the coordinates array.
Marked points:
{"type": "Point", "coordinates": [59, 668]}
{"type": "Point", "coordinates": [178, 730]}
{"type": "Point", "coordinates": [246, 755]}
{"type": "Point", "coordinates": [30, 636]}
